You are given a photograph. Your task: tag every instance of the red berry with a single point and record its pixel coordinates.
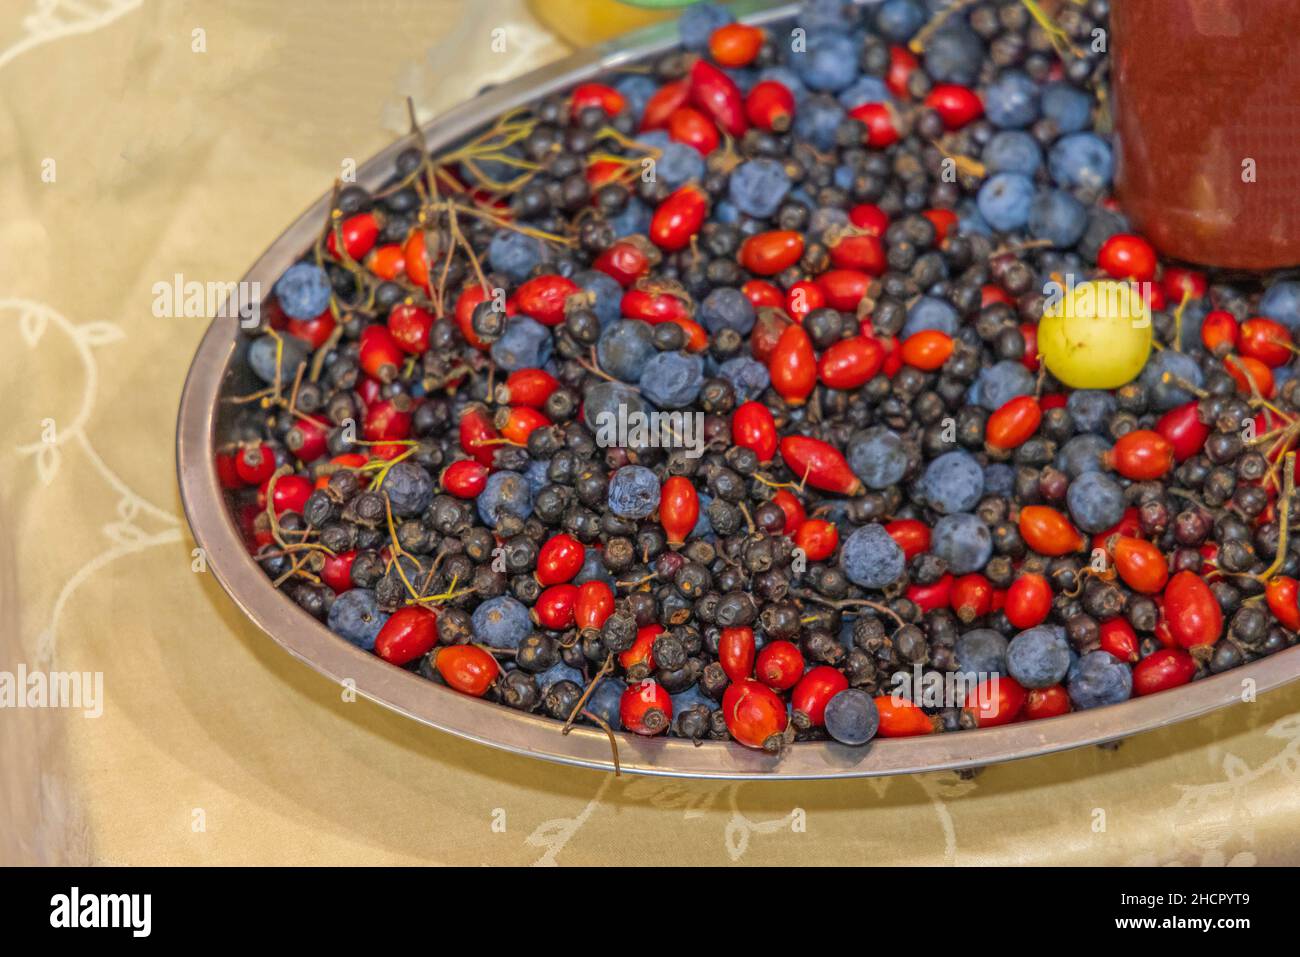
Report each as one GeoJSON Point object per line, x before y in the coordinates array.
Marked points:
{"type": "Point", "coordinates": [663, 103]}
{"type": "Point", "coordinates": [820, 464]}
{"type": "Point", "coordinates": [688, 125]}
{"type": "Point", "coordinates": [380, 355]}
{"type": "Point", "coordinates": [1012, 425]}
{"type": "Point", "coordinates": [1126, 256]}
{"type": "Point", "coordinates": [467, 668]}
{"type": "Point", "coordinates": [337, 571]}
{"type": "Point", "coordinates": [858, 251]}
{"type": "Point", "coordinates": [1219, 332]}
{"type": "Point", "coordinates": [530, 387]}
{"type": "Point", "coordinates": [927, 350]}
{"type": "Point", "coordinates": [598, 95]}
{"type": "Point", "coordinates": [543, 298]}
{"type": "Point", "coordinates": [718, 96]}
{"type": "Point", "coordinates": [1141, 455]}
{"type": "Point", "coordinates": [818, 538]}
{"type": "Point", "coordinates": [408, 634]}
{"type": "Point", "coordinates": [999, 699]}
{"type": "Point", "coordinates": [956, 105]}
{"type": "Point", "coordinates": [882, 123]}
{"type": "Point", "coordinates": [679, 508]}
{"type": "Point", "coordinates": [307, 440]}
{"type": "Point", "coordinates": [1119, 639]}
{"type": "Point", "coordinates": [900, 718]}
{"type": "Point", "coordinates": [1140, 564]}
{"type": "Point", "coordinates": [971, 597]}
{"type": "Point", "coordinates": [1162, 670]}
{"type": "Point", "coordinates": [769, 105]}
{"type": "Point", "coordinates": [814, 690]}
{"type": "Point", "coordinates": [464, 479]}
{"type": "Point", "coordinates": [752, 427]}
{"type": "Point", "coordinates": [1045, 703]}
{"type": "Point", "coordinates": [1048, 532]}
{"type": "Point", "coordinates": [559, 559]}
{"type": "Point", "coordinates": [594, 605]}
{"type": "Point", "coordinates": [1029, 600]}
{"type": "Point", "coordinates": [912, 536]}
{"type": "Point", "coordinates": [851, 363]}
{"type": "Point", "coordinates": [679, 217]}
{"type": "Point", "coordinates": [736, 652]}
{"type": "Point", "coordinates": [254, 464]}
{"type": "Point", "coordinates": [755, 715]}
{"type": "Point", "coordinates": [1192, 612]}
{"type": "Point", "coordinates": [779, 665]}
{"type": "Point", "coordinates": [735, 44]}
{"type": "Point", "coordinates": [767, 254]}
{"type": "Point", "coordinates": [646, 708]}
{"type": "Point", "coordinates": [359, 235]}
{"type": "Point", "coordinates": [793, 508]}
{"type": "Point", "coordinates": [930, 597]}
{"type": "Point", "coordinates": [793, 366]}
{"type": "Point", "coordinates": [1184, 430]}
{"type": "Point", "coordinates": [409, 326]}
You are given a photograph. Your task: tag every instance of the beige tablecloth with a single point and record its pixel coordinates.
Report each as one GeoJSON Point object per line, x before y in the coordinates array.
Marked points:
{"type": "Point", "coordinates": [133, 148]}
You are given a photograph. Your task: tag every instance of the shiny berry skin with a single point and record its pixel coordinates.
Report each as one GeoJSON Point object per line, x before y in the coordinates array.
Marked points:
{"type": "Point", "coordinates": [1184, 430]}
{"type": "Point", "coordinates": [736, 652]}
{"type": "Point", "coordinates": [478, 435]}
{"type": "Point", "coordinates": [820, 464]}
{"type": "Point", "coordinates": [818, 538]}
{"type": "Point", "coordinates": [646, 708]}
{"type": "Point", "coordinates": [760, 292]}
{"type": "Point", "coordinates": [1141, 455]}
{"type": "Point", "coordinates": [769, 105]}
{"type": "Point", "coordinates": [998, 700]}
{"type": "Point", "coordinates": [387, 421]}
{"type": "Point", "coordinates": [307, 440]}
{"type": "Point", "coordinates": [555, 607]}
{"type": "Point", "coordinates": [598, 95]}
{"type": "Point", "coordinates": [464, 479]}
{"type": "Point", "coordinates": [793, 508]}
{"type": "Point", "coordinates": [971, 597]}
{"type": "Point", "coordinates": [1178, 282]}
{"type": "Point", "coordinates": [927, 350]}
{"type": "Point", "coordinates": [869, 218]}
{"type": "Point", "coordinates": [688, 125]}
{"type": "Point", "coordinates": [929, 597]}
{"type": "Point", "coordinates": [469, 298]}
{"type": "Point", "coordinates": [803, 298]}
{"type": "Point", "coordinates": [1030, 360]}
{"type": "Point", "coordinates": [337, 571]}
{"type": "Point", "coordinates": [1048, 532]}
{"type": "Point", "coordinates": [416, 258]}
{"type": "Point", "coordinates": [679, 217]}
{"type": "Point", "coordinates": [766, 254]}
{"type": "Point", "coordinates": [314, 332]}
{"type": "Point", "coordinates": [858, 252]}
{"type": "Point", "coordinates": [851, 363]}
{"type": "Point", "coordinates": [901, 65]}
{"type": "Point", "coordinates": [626, 261]}
{"type": "Point", "coordinates": [813, 691]}
{"type": "Point", "coordinates": [1140, 564]}
{"type": "Point", "coordinates": [517, 424]}
{"type": "Point", "coordinates": [543, 298]}
{"type": "Point", "coordinates": [900, 718]}
{"type": "Point", "coordinates": [844, 288]}
{"type": "Point", "coordinates": [559, 559]}
{"type": "Point", "coordinates": [1162, 670]}
{"type": "Point", "coordinates": [254, 464]}
{"type": "Point", "coordinates": [944, 221]}
{"type": "Point", "coordinates": [717, 95]}
{"type": "Point", "coordinates": [359, 235]}
{"type": "Point", "coordinates": [380, 355]}
{"type": "Point", "coordinates": [679, 508]}
{"type": "Point", "coordinates": [779, 665]}
{"type": "Point", "coordinates": [912, 536]}
{"type": "Point", "coordinates": [881, 121]}
{"type": "Point", "coordinates": [594, 605]}
{"type": "Point", "coordinates": [654, 307]}
{"type": "Point", "coordinates": [1251, 375]}
{"type": "Point", "coordinates": [1014, 423]}
{"type": "Point", "coordinates": [755, 715]}
{"type": "Point", "coordinates": [956, 105]}
{"type": "Point", "coordinates": [752, 427]}
{"type": "Point", "coordinates": [793, 366]}
{"type": "Point", "coordinates": [1029, 601]}
{"type": "Point", "coordinates": [1119, 639]}
{"type": "Point", "coordinates": [1265, 340]}
{"type": "Point", "coordinates": [1281, 595]}
{"type": "Point", "coordinates": [642, 650]}
{"type": "Point", "coordinates": [467, 669]}
{"type": "Point", "coordinates": [1126, 256]}
{"type": "Point", "coordinates": [530, 387]}
{"type": "Point", "coordinates": [735, 44]}
{"type": "Point", "coordinates": [409, 633]}
{"type": "Point", "coordinates": [1193, 615]}
{"type": "Point", "coordinates": [663, 103]}
{"type": "Point", "coordinates": [1045, 703]}
{"type": "Point", "coordinates": [290, 494]}
{"type": "Point", "coordinates": [409, 326]}
{"type": "Point", "coordinates": [1219, 332]}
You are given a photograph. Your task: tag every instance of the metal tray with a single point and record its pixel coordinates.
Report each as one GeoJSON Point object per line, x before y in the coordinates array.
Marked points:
{"type": "Point", "coordinates": [216, 373]}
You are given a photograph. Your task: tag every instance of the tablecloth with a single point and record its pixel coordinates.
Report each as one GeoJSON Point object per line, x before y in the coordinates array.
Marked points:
{"type": "Point", "coordinates": [141, 141]}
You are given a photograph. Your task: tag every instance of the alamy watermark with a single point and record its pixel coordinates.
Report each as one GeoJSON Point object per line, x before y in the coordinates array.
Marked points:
{"type": "Point", "coordinates": [1092, 298]}
{"type": "Point", "coordinates": [77, 690]}
{"type": "Point", "coordinates": [634, 429]}
{"type": "Point", "coordinates": [975, 690]}
{"type": "Point", "coordinates": [182, 299]}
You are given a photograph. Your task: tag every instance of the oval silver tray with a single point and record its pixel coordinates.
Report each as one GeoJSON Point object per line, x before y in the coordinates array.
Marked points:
{"type": "Point", "coordinates": [216, 373]}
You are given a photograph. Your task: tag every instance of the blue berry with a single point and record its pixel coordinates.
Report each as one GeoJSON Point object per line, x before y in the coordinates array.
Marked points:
{"type": "Point", "coordinates": [787, 78]}
{"type": "Point", "coordinates": [672, 380]}
{"type": "Point", "coordinates": [261, 357]}
{"type": "Point", "coordinates": [1090, 409]}
{"type": "Point", "coordinates": [500, 622]}
{"type": "Point", "coordinates": [727, 308]}
{"type": "Point", "coordinates": [679, 164]}
{"type": "Point", "coordinates": [817, 119]}
{"type": "Point", "coordinates": [624, 347]}
{"type": "Point", "coordinates": [1081, 159]}
{"type": "Point", "coordinates": [1068, 106]}
{"type": "Point", "coordinates": [829, 63]}
{"type": "Point", "coordinates": [633, 492]}
{"type": "Point", "coordinates": [824, 217]}
{"type": "Point", "coordinates": [514, 253]}
{"type": "Point", "coordinates": [970, 221]}
{"type": "Point", "coordinates": [999, 479]}
{"type": "Point", "coordinates": [1004, 201]}
{"type": "Point", "coordinates": [954, 55]}
{"type": "Point", "coordinates": [1096, 501]}
{"type": "Point", "coordinates": [865, 89]}
{"type": "Point", "coordinates": [303, 291]}
{"type": "Point", "coordinates": [604, 402]}
{"type": "Point", "coordinates": [538, 475]}
{"type": "Point", "coordinates": [560, 672]}
{"type": "Point", "coordinates": [930, 312]}
{"type": "Point", "coordinates": [506, 493]}
{"type": "Point", "coordinates": [851, 717]}
{"type": "Point", "coordinates": [1058, 217]}
{"type": "Point", "coordinates": [981, 652]}
{"type": "Point", "coordinates": [698, 21]}
{"type": "Point", "coordinates": [606, 294]}
{"type": "Point", "coordinates": [953, 482]}
{"type": "Point", "coordinates": [898, 20]}
{"type": "Point", "coordinates": [748, 377]}
{"type": "Point", "coordinates": [703, 527]}
{"type": "Point", "coordinates": [1282, 303]}
{"type": "Point", "coordinates": [356, 617]}
{"type": "Point", "coordinates": [593, 569]}
{"type": "Point", "coordinates": [1098, 678]}
{"type": "Point", "coordinates": [1163, 396]}
{"type": "Point", "coordinates": [637, 88]}
{"type": "Point", "coordinates": [878, 457]}
{"type": "Point", "coordinates": [632, 220]}
{"type": "Point", "coordinates": [525, 344]}
{"type": "Point", "coordinates": [409, 488]}
{"type": "Point", "coordinates": [605, 700]}
{"type": "Point", "coordinates": [998, 384]}
{"type": "Point", "coordinates": [871, 559]}
{"type": "Point", "coordinates": [758, 187]}
{"type": "Point", "coordinates": [1082, 454]}
{"type": "Point", "coordinates": [1012, 151]}
{"type": "Point", "coordinates": [1038, 657]}
{"type": "Point", "coordinates": [963, 541]}
{"type": "Point", "coordinates": [1011, 102]}
{"type": "Point", "coordinates": [690, 698]}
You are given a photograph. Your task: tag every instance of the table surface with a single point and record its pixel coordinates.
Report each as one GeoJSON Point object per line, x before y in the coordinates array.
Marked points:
{"type": "Point", "coordinates": [128, 157]}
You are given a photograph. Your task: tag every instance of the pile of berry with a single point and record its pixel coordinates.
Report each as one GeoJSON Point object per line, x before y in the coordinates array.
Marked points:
{"type": "Point", "coordinates": [826, 245]}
